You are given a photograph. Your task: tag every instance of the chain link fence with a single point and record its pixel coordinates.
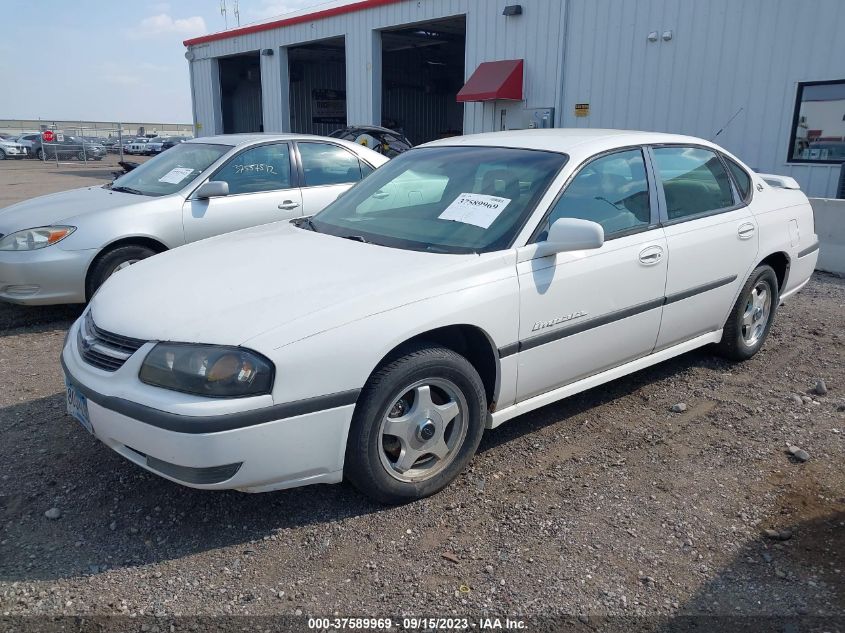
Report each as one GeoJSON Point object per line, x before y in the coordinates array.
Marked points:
{"type": "Point", "coordinates": [66, 143]}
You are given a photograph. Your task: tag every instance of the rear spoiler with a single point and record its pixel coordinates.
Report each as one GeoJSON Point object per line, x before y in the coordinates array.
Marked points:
{"type": "Point", "coordinates": [780, 182]}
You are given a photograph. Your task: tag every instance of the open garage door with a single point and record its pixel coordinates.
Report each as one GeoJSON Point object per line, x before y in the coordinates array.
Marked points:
{"type": "Point", "coordinates": [422, 71]}
{"type": "Point", "coordinates": [240, 93]}
{"type": "Point", "coordinates": [317, 74]}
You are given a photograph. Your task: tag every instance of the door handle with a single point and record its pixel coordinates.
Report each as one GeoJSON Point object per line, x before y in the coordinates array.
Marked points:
{"type": "Point", "coordinates": [381, 195]}
{"type": "Point", "coordinates": [745, 231]}
{"type": "Point", "coordinates": [287, 205]}
{"type": "Point", "coordinates": [651, 255]}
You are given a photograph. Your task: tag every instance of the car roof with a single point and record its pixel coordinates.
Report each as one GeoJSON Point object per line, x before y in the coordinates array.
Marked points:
{"type": "Point", "coordinates": [576, 142]}
{"type": "Point", "coordinates": [243, 139]}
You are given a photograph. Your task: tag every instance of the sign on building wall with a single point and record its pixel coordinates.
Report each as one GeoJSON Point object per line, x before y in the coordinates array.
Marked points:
{"type": "Point", "coordinates": [582, 109]}
{"type": "Point", "coordinates": [329, 106]}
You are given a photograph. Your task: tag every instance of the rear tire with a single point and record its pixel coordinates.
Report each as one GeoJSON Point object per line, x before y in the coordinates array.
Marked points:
{"type": "Point", "coordinates": [751, 317]}
{"type": "Point", "coordinates": [111, 261]}
{"type": "Point", "coordinates": [418, 422]}
{"type": "Point", "coordinates": [2, 155]}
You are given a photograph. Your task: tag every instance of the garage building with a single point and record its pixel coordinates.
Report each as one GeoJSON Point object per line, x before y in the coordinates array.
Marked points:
{"type": "Point", "coordinates": [764, 78]}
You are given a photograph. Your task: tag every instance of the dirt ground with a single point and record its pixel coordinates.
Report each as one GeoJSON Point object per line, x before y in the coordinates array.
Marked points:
{"type": "Point", "coordinates": [607, 503]}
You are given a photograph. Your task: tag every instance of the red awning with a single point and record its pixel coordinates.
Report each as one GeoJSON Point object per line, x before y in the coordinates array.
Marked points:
{"type": "Point", "coordinates": [493, 81]}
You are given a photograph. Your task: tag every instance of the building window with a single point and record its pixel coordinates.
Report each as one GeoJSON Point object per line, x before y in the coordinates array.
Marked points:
{"type": "Point", "coordinates": [818, 126]}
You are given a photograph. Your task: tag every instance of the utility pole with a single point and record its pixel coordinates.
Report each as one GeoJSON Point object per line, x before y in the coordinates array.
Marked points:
{"type": "Point", "coordinates": [237, 13]}
{"type": "Point", "coordinates": [223, 13]}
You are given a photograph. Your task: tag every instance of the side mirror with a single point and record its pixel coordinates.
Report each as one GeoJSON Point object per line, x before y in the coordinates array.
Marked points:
{"type": "Point", "coordinates": [213, 189]}
{"type": "Point", "coordinates": [571, 234]}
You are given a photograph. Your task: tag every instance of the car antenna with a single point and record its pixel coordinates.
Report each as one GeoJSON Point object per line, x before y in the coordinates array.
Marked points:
{"type": "Point", "coordinates": [724, 127]}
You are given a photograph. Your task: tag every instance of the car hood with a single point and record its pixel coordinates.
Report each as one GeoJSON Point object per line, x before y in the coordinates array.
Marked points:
{"type": "Point", "coordinates": [232, 288]}
{"type": "Point", "coordinates": [58, 207]}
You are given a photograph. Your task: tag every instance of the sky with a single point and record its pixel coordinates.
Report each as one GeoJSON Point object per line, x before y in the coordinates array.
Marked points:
{"type": "Point", "coordinates": [109, 60]}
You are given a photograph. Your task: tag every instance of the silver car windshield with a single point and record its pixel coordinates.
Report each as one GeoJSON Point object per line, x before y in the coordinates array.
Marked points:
{"type": "Point", "coordinates": [169, 172]}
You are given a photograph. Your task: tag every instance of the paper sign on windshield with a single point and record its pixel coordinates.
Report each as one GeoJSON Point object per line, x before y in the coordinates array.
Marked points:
{"type": "Point", "coordinates": [176, 175]}
{"type": "Point", "coordinates": [477, 209]}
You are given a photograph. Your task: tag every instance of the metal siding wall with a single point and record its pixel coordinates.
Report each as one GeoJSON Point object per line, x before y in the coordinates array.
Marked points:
{"type": "Point", "coordinates": [724, 55]}
{"type": "Point", "coordinates": [328, 75]}
{"type": "Point", "coordinates": [206, 94]}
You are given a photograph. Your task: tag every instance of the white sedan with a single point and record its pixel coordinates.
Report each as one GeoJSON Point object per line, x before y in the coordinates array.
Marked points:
{"type": "Point", "coordinates": [60, 248]}
{"type": "Point", "coordinates": [464, 283]}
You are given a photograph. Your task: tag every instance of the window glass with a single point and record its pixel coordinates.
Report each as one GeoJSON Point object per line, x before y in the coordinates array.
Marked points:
{"type": "Point", "coordinates": [366, 169]}
{"type": "Point", "coordinates": [262, 168]}
{"type": "Point", "coordinates": [818, 132]}
{"type": "Point", "coordinates": [325, 164]}
{"type": "Point", "coordinates": [741, 178]}
{"type": "Point", "coordinates": [444, 199]}
{"type": "Point", "coordinates": [611, 190]}
{"type": "Point", "coordinates": [694, 181]}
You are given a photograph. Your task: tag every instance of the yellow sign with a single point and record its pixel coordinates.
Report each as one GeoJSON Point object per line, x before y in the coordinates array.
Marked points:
{"type": "Point", "coordinates": [582, 109]}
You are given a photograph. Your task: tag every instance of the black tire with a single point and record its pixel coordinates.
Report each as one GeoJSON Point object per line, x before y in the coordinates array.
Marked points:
{"type": "Point", "coordinates": [108, 262]}
{"type": "Point", "coordinates": [39, 154]}
{"type": "Point", "coordinates": [419, 362]}
{"type": "Point", "coordinates": [2, 155]}
{"type": "Point", "coordinates": [735, 344]}
{"type": "Point", "coordinates": [80, 156]}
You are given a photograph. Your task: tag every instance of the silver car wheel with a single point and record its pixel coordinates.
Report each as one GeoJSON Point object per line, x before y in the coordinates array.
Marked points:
{"type": "Point", "coordinates": [423, 430]}
{"type": "Point", "coordinates": [125, 264]}
{"type": "Point", "coordinates": [756, 315]}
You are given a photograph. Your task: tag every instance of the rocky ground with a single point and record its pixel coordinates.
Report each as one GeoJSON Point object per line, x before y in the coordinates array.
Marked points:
{"type": "Point", "coordinates": [607, 503]}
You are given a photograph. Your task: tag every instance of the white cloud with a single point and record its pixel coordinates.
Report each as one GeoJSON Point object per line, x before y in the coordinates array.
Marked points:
{"type": "Point", "coordinates": [274, 8]}
{"type": "Point", "coordinates": [164, 24]}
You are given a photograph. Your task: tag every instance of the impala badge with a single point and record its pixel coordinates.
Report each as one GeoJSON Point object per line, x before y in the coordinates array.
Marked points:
{"type": "Point", "coordinates": [557, 321]}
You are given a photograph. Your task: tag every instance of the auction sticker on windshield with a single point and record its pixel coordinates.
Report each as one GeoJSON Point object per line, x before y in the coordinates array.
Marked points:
{"type": "Point", "coordinates": [475, 208]}
{"type": "Point", "coordinates": [176, 175]}
{"type": "Point", "coordinates": [77, 405]}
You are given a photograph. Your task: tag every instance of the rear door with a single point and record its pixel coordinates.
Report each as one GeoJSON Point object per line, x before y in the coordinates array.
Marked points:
{"type": "Point", "coordinates": [262, 189]}
{"type": "Point", "coordinates": [712, 241]}
{"type": "Point", "coordinates": [327, 171]}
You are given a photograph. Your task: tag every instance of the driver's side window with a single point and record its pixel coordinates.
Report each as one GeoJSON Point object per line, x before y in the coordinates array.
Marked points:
{"type": "Point", "coordinates": [262, 168]}
{"type": "Point", "coordinates": [611, 190]}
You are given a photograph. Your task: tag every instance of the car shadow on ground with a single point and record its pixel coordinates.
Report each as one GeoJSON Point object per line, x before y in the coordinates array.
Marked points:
{"type": "Point", "coordinates": [41, 318]}
{"type": "Point", "coordinates": [115, 514]}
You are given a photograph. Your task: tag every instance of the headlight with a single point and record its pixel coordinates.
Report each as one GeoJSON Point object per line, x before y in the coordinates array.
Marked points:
{"type": "Point", "coordinates": [32, 239]}
{"type": "Point", "coordinates": [208, 370]}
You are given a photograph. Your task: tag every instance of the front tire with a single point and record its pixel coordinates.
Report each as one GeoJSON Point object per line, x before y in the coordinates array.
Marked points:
{"type": "Point", "coordinates": [751, 318]}
{"type": "Point", "coordinates": [111, 262]}
{"type": "Point", "coordinates": [418, 422]}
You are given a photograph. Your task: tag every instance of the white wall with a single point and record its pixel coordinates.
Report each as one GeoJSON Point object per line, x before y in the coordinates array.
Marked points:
{"type": "Point", "coordinates": [830, 227]}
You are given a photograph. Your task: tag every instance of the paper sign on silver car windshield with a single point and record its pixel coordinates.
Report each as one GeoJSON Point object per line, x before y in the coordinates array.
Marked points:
{"type": "Point", "coordinates": [475, 208]}
{"type": "Point", "coordinates": [176, 175]}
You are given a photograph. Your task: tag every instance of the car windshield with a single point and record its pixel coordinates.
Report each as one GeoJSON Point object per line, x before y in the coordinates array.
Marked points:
{"type": "Point", "coordinates": [444, 199]}
{"type": "Point", "coordinates": [169, 172]}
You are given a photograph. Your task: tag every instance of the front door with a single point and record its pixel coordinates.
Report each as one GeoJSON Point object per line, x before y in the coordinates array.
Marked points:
{"type": "Point", "coordinates": [587, 311]}
{"type": "Point", "coordinates": [712, 241]}
{"type": "Point", "coordinates": [260, 191]}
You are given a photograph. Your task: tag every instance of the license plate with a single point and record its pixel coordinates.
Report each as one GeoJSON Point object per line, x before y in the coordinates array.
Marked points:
{"type": "Point", "coordinates": [77, 405]}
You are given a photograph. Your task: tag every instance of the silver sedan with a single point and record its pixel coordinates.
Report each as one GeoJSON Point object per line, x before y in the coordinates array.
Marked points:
{"type": "Point", "coordinates": [60, 248]}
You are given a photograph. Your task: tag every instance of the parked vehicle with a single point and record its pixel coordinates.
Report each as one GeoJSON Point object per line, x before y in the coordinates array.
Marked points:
{"type": "Point", "coordinates": [27, 144]}
{"type": "Point", "coordinates": [464, 283]}
{"type": "Point", "coordinates": [194, 191]}
{"type": "Point", "coordinates": [154, 145]}
{"type": "Point", "coordinates": [112, 145]}
{"type": "Point", "coordinates": [379, 139]}
{"type": "Point", "coordinates": [174, 140]}
{"type": "Point", "coordinates": [137, 146]}
{"type": "Point", "coordinates": [65, 149]}
{"type": "Point", "coordinates": [10, 148]}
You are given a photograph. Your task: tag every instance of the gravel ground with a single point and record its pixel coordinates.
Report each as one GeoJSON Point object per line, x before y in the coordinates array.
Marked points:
{"type": "Point", "coordinates": [606, 503]}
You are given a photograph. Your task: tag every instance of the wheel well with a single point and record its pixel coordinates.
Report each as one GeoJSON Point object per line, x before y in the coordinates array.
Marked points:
{"type": "Point", "coordinates": [780, 263]}
{"type": "Point", "coordinates": [149, 242]}
{"type": "Point", "coordinates": [470, 342]}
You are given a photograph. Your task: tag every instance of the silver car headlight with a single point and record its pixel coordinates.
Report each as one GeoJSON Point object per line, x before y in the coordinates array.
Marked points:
{"type": "Point", "coordinates": [208, 370]}
{"type": "Point", "coordinates": [33, 239]}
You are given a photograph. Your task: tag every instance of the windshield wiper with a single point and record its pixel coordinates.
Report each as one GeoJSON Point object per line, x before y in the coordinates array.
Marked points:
{"type": "Point", "coordinates": [357, 238]}
{"type": "Point", "coordinates": [128, 190]}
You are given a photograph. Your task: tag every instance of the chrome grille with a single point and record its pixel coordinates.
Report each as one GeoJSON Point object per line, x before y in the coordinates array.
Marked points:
{"type": "Point", "coordinates": [104, 350]}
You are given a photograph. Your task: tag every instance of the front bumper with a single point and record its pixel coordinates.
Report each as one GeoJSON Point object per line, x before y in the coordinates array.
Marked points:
{"type": "Point", "coordinates": [46, 276]}
{"type": "Point", "coordinates": [288, 445]}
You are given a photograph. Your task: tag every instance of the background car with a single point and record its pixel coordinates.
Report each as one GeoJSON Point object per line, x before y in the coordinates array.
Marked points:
{"type": "Point", "coordinates": [136, 146]}
{"type": "Point", "coordinates": [10, 148]}
{"type": "Point", "coordinates": [66, 244]}
{"type": "Point", "coordinates": [153, 146]}
{"type": "Point", "coordinates": [379, 139]}
{"type": "Point", "coordinates": [174, 140]}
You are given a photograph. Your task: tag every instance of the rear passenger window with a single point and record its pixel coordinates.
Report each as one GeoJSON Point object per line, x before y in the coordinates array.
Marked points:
{"type": "Point", "coordinates": [741, 177]}
{"type": "Point", "coordinates": [694, 181]}
{"type": "Point", "coordinates": [611, 190]}
{"type": "Point", "coordinates": [326, 164]}
{"type": "Point", "coordinates": [262, 168]}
